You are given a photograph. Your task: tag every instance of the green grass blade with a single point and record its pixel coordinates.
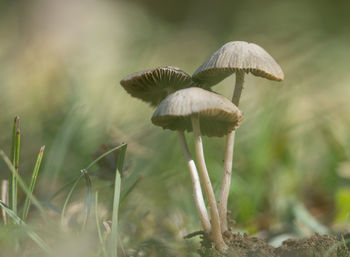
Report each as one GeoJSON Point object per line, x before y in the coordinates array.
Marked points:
{"type": "Point", "coordinates": [14, 156]}
{"type": "Point", "coordinates": [104, 155]}
{"type": "Point", "coordinates": [17, 148]}
{"type": "Point", "coordinates": [66, 185]}
{"type": "Point", "coordinates": [13, 144]}
{"type": "Point", "coordinates": [117, 187]}
{"type": "Point", "coordinates": [89, 197]}
{"type": "Point", "coordinates": [33, 182]}
{"type": "Point", "coordinates": [17, 220]}
{"type": "Point", "coordinates": [59, 191]}
{"type": "Point", "coordinates": [77, 180]}
{"type": "Point", "coordinates": [69, 196]}
{"type": "Point", "coordinates": [99, 233]}
{"type": "Point", "coordinates": [14, 179]}
{"type": "Point", "coordinates": [22, 183]}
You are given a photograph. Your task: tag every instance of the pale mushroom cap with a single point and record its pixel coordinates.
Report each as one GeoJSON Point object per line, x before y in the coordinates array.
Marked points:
{"type": "Point", "coordinates": [217, 115]}
{"type": "Point", "coordinates": [154, 85]}
{"type": "Point", "coordinates": [235, 56]}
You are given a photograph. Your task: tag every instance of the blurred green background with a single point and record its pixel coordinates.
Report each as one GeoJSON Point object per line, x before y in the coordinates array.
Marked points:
{"type": "Point", "coordinates": [60, 67]}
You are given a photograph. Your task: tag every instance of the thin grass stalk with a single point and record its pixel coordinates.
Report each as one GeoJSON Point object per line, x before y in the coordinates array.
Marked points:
{"type": "Point", "coordinates": [22, 184]}
{"type": "Point", "coordinates": [33, 180]}
{"type": "Point", "coordinates": [13, 142]}
{"type": "Point", "coordinates": [62, 188]}
{"type": "Point", "coordinates": [14, 156]}
{"type": "Point", "coordinates": [116, 200]}
{"type": "Point", "coordinates": [66, 185]}
{"type": "Point", "coordinates": [16, 165]}
{"type": "Point", "coordinates": [119, 147]}
{"type": "Point", "coordinates": [76, 181]}
{"type": "Point", "coordinates": [89, 197]}
{"type": "Point", "coordinates": [69, 195]}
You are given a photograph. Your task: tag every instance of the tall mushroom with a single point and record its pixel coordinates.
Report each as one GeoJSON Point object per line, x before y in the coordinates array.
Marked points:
{"type": "Point", "coordinates": [206, 113]}
{"type": "Point", "coordinates": [152, 86]}
{"type": "Point", "coordinates": [235, 57]}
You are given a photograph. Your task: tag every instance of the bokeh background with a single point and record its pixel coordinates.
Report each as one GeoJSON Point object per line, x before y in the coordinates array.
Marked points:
{"type": "Point", "coordinates": [60, 67]}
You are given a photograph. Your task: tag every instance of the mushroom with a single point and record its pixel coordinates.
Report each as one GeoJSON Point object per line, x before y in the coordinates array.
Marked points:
{"type": "Point", "coordinates": [205, 113]}
{"type": "Point", "coordinates": [153, 86]}
{"type": "Point", "coordinates": [239, 57]}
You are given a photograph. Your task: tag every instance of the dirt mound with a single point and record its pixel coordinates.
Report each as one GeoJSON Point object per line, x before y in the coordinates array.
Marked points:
{"type": "Point", "coordinates": [317, 245]}
{"type": "Point", "coordinates": [244, 246]}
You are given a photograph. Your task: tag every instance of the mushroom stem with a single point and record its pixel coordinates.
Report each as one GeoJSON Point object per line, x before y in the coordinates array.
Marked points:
{"type": "Point", "coordinates": [238, 87]}
{"type": "Point", "coordinates": [197, 190]}
{"type": "Point", "coordinates": [215, 221]}
{"type": "Point", "coordinates": [226, 179]}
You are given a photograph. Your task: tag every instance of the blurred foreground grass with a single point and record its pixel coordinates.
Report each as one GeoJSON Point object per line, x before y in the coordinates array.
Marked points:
{"type": "Point", "coordinates": [60, 66]}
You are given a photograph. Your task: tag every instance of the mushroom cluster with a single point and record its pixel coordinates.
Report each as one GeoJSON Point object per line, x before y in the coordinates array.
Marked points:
{"type": "Point", "coordinates": [186, 103]}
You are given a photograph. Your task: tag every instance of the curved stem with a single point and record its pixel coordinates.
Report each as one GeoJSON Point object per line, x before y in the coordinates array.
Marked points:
{"type": "Point", "coordinates": [215, 221]}
{"type": "Point", "coordinates": [226, 179]}
{"type": "Point", "coordinates": [197, 190]}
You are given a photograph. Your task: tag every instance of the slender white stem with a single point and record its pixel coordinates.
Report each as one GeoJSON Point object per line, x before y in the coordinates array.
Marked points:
{"type": "Point", "coordinates": [226, 181]}
{"type": "Point", "coordinates": [226, 178]}
{"type": "Point", "coordinates": [215, 221]}
{"type": "Point", "coordinates": [197, 190]}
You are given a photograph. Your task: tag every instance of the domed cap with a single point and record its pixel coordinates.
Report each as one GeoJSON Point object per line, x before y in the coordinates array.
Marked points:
{"type": "Point", "coordinates": [217, 115]}
{"type": "Point", "coordinates": [234, 56]}
{"type": "Point", "coordinates": [154, 85]}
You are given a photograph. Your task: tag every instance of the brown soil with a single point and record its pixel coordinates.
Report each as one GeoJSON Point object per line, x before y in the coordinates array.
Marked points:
{"type": "Point", "coordinates": [244, 246]}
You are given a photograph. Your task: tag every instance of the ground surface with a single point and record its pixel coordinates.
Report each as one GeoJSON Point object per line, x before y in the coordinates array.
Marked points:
{"type": "Point", "coordinates": [315, 246]}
